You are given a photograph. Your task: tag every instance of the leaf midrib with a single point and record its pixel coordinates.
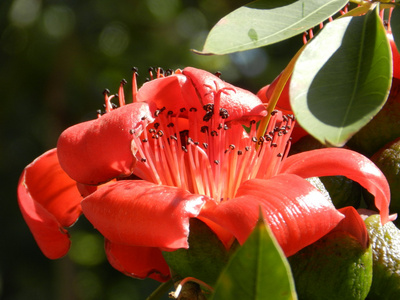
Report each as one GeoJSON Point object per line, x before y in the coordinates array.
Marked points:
{"type": "Point", "coordinates": [284, 29]}
{"type": "Point", "coordinates": [357, 78]}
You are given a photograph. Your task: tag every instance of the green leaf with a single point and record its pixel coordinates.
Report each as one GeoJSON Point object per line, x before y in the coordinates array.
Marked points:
{"type": "Point", "coordinates": [265, 22]}
{"type": "Point", "coordinates": [342, 78]}
{"type": "Point", "coordinates": [258, 270]}
{"type": "Point", "coordinates": [395, 25]}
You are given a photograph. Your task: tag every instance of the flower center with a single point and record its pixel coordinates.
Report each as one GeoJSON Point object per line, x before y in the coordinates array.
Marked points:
{"type": "Point", "coordinates": [212, 159]}
{"type": "Point", "coordinates": [202, 152]}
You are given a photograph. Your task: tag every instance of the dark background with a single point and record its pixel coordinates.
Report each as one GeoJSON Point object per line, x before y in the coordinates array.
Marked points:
{"type": "Point", "coordinates": [56, 58]}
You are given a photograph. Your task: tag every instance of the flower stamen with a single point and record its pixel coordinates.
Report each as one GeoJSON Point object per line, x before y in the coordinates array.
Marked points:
{"type": "Point", "coordinates": [204, 155]}
{"type": "Point", "coordinates": [134, 84]}
{"type": "Point", "coordinates": [121, 94]}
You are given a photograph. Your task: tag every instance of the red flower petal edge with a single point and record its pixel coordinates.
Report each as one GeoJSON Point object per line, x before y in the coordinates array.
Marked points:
{"type": "Point", "coordinates": [172, 92]}
{"type": "Point", "coordinates": [297, 213]}
{"type": "Point", "coordinates": [138, 262]}
{"type": "Point", "coordinates": [49, 200]}
{"type": "Point", "coordinates": [96, 151]}
{"type": "Point", "coordinates": [354, 225]}
{"type": "Point", "coordinates": [194, 88]}
{"type": "Point", "coordinates": [337, 161]}
{"type": "Point", "coordinates": [141, 213]}
{"type": "Point", "coordinates": [240, 103]}
{"type": "Point", "coordinates": [284, 100]}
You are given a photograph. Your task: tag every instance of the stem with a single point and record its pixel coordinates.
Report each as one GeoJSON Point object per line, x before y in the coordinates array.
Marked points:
{"type": "Point", "coordinates": [161, 290]}
{"type": "Point", "coordinates": [277, 92]}
{"type": "Point", "coordinates": [360, 2]}
{"type": "Point", "coordinates": [383, 4]}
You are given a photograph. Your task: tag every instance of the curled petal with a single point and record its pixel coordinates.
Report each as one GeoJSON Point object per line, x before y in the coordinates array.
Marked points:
{"type": "Point", "coordinates": [138, 262]}
{"type": "Point", "coordinates": [99, 150]}
{"type": "Point", "coordinates": [354, 225]}
{"type": "Point", "coordinates": [140, 213]}
{"type": "Point", "coordinates": [49, 200]}
{"type": "Point", "coordinates": [337, 161]}
{"type": "Point", "coordinates": [297, 213]}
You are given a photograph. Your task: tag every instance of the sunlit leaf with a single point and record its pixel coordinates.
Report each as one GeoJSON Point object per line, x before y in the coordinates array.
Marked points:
{"type": "Point", "coordinates": [342, 78]}
{"type": "Point", "coordinates": [258, 270]}
{"type": "Point", "coordinates": [265, 22]}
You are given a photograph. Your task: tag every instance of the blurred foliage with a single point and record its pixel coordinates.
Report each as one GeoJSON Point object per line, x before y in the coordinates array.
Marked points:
{"type": "Point", "coordinates": [56, 57]}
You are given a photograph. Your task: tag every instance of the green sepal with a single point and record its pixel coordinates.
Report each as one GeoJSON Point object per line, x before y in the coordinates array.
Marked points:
{"type": "Point", "coordinates": [257, 270]}
{"type": "Point", "coordinates": [335, 267]}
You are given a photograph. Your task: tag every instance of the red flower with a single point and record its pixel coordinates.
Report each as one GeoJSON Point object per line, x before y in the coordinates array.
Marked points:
{"type": "Point", "coordinates": [180, 151]}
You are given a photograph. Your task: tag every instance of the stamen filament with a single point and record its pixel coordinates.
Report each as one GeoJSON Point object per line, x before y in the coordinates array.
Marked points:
{"type": "Point", "coordinates": [121, 94]}
{"type": "Point", "coordinates": [148, 169]}
{"type": "Point", "coordinates": [134, 85]}
{"type": "Point", "coordinates": [197, 184]}
{"type": "Point", "coordinates": [200, 152]}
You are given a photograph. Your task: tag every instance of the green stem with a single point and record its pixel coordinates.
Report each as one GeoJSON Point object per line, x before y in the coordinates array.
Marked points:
{"type": "Point", "coordinates": [284, 77]}
{"type": "Point", "coordinates": [161, 290]}
{"type": "Point", "coordinates": [360, 2]}
{"type": "Point", "coordinates": [383, 4]}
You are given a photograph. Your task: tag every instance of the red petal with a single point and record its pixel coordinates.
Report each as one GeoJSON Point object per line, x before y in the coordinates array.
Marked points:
{"type": "Point", "coordinates": [140, 213]}
{"type": "Point", "coordinates": [49, 200]}
{"type": "Point", "coordinates": [193, 88]}
{"type": "Point", "coordinates": [354, 225]}
{"type": "Point", "coordinates": [395, 55]}
{"type": "Point", "coordinates": [262, 93]}
{"type": "Point", "coordinates": [240, 103]}
{"type": "Point", "coordinates": [172, 92]}
{"type": "Point", "coordinates": [99, 150]}
{"type": "Point", "coordinates": [284, 100]}
{"type": "Point", "coordinates": [337, 161]}
{"type": "Point", "coordinates": [138, 262]}
{"type": "Point", "coordinates": [86, 190]}
{"type": "Point", "coordinates": [296, 211]}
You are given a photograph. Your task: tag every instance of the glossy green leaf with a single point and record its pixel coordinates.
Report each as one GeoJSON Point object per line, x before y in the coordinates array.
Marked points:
{"type": "Point", "coordinates": [265, 22]}
{"type": "Point", "coordinates": [342, 78]}
{"type": "Point", "coordinates": [395, 25]}
{"type": "Point", "coordinates": [258, 270]}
